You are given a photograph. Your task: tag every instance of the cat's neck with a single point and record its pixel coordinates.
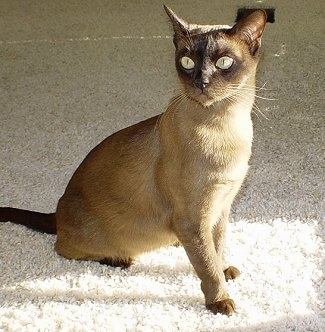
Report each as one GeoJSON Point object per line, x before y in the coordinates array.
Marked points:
{"type": "Point", "coordinates": [224, 124]}
{"type": "Point", "coordinates": [221, 113]}
{"type": "Point", "coordinates": [220, 110]}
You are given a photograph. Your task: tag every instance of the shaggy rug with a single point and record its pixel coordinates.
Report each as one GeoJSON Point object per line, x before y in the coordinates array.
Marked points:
{"type": "Point", "coordinates": [281, 287]}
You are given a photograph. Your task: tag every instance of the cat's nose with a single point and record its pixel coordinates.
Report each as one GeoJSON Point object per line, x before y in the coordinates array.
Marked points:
{"type": "Point", "coordinates": [201, 83]}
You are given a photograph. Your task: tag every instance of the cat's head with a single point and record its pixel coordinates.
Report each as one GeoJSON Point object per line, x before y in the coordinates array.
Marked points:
{"type": "Point", "coordinates": [216, 62]}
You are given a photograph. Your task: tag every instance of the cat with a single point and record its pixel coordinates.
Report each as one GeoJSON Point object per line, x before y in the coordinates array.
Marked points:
{"type": "Point", "coordinates": [173, 177]}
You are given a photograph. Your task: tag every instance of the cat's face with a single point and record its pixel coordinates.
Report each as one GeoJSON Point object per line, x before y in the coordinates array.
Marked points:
{"type": "Point", "coordinates": [215, 63]}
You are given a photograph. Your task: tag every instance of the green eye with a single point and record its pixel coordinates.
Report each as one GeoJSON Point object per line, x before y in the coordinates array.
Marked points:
{"type": "Point", "coordinates": [225, 62]}
{"type": "Point", "coordinates": [187, 63]}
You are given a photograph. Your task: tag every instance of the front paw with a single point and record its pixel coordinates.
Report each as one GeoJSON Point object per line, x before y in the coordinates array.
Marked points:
{"type": "Point", "coordinates": [225, 307]}
{"type": "Point", "coordinates": [231, 273]}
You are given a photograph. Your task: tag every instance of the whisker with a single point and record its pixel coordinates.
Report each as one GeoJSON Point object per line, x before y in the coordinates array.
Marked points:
{"type": "Point", "coordinates": [264, 98]}
{"type": "Point", "coordinates": [243, 97]}
{"type": "Point", "coordinates": [256, 110]}
{"type": "Point", "coordinates": [173, 104]}
{"type": "Point", "coordinates": [249, 92]}
{"type": "Point", "coordinates": [255, 87]}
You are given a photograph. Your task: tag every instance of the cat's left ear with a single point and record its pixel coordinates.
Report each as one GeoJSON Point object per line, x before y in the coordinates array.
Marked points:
{"type": "Point", "coordinates": [180, 26]}
{"type": "Point", "coordinates": [250, 29]}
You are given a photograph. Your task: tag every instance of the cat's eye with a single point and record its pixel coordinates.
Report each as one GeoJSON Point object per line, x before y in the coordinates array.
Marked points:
{"type": "Point", "coordinates": [225, 62]}
{"type": "Point", "coordinates": [187, 63]}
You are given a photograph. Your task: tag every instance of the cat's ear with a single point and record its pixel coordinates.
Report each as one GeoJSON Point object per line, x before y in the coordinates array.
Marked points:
{"type": "Point", "coordinates": [250, 29]}
{"type": "Point", "coordinates": [180, 26]}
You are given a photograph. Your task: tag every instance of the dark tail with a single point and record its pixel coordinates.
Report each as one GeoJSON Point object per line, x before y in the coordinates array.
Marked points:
{"type": "Point", "coordinates": [41, 222]}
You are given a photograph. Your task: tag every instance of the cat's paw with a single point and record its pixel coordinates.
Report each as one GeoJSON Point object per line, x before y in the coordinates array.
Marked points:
{"type": "Point", "coordinates": [225, 307]}
{"type": "Point", "coordinates": [231, 273]}
{"type": "Point", "coordinates": [123, 263]}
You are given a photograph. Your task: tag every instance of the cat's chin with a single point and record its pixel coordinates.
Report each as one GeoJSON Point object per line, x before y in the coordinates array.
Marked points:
{"type": "Point", "coordinates": [205, 100]}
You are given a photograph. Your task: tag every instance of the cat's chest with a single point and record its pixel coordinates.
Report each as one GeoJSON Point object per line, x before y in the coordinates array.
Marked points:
{"type": "Point", "coordinates": [223, 149]}
{"type": "Point", "coordinates": [224, 139]}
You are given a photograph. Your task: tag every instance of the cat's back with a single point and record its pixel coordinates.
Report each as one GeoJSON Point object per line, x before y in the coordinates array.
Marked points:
{"type": "Point", "coordinates": [132, 147]}
{"type": "Point", "coordinates": [120, 168]}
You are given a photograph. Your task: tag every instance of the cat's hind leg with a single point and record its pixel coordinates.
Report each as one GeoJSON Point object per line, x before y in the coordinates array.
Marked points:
{"type": "Point", "coordinates": [72, 252]}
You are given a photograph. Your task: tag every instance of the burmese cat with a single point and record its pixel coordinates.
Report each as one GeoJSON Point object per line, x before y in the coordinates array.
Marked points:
{"type": "Point", "coordinates": [172, 177]}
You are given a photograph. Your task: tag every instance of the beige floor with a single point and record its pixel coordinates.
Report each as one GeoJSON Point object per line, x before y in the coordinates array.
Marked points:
{"type": "Point", "coordinates": [73, 72]}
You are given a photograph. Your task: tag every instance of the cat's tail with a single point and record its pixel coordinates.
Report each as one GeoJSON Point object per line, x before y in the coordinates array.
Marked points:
{"type": "Point", "coordinates": [41, 222]}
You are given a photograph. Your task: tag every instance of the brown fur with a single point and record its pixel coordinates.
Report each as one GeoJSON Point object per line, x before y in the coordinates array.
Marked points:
{"type": "Point", "coordinates": [172, 177]}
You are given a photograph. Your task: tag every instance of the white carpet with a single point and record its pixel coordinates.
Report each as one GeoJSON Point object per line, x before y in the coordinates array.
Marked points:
{"type": "Point", "coordinates": [281, 287]}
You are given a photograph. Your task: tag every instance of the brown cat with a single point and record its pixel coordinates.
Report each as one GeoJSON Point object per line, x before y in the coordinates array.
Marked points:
{"type": "Point", "coordinates": [172, 177]}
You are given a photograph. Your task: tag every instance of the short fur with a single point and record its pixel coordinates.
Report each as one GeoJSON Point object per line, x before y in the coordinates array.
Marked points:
{"type": "Point", "coordinates": [172, 177]}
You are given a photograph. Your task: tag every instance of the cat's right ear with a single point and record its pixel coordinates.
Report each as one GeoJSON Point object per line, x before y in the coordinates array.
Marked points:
{"type": "Point", "coordinates": [180, 26]}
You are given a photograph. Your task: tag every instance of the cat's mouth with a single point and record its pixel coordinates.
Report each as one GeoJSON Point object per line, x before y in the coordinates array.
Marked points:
{"type": "Point", "coordinates": [204, 98]}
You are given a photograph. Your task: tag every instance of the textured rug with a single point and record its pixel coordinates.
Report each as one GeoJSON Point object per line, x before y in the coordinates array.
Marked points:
{"type": "Point", "coordinates": [281, 287]}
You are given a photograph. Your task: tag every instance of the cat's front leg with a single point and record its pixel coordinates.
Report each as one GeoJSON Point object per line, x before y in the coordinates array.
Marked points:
{"type": "Point", "coordinates": [196, 237]}
{"type": "Point", "coordinates": [219, 237]}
